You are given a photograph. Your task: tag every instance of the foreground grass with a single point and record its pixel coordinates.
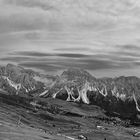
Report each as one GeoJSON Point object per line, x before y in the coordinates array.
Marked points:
{"type": "Point", "coordinates": [24, 118]}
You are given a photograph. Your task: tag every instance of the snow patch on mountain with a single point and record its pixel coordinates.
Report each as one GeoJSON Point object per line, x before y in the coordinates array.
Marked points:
{"type": "Point", "coordinates": [116, 93]}
{"type": "Point", "coordinates": [135, 100]}
{"type": "Point", "coordinates": [43, 93]}
{"type": "Point", "coordinates": [102, 91]}
{"type": "Point", "coordinates": [13, 84]}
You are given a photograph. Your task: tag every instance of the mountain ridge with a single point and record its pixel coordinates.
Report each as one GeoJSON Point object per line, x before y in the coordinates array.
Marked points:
{"type": "Point", "coordinates": [118, 95]}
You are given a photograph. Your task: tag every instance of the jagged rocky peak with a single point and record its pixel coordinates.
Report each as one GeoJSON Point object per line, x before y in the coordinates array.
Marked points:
{"type": "Point", "coordinates": [112, 94]}
{"type": "Point", "coordinates": [73, 85]}
{"type": "Point", "coordinates": [4, 70]}
{"type": "Point", "coordinates": [17, 80]}
{"type": "Point", "coordinates": [12, 66]}
{"type": "Point", "coordinates": [11, 69]}
{"type": "Point", "coordinates": [76, 74]}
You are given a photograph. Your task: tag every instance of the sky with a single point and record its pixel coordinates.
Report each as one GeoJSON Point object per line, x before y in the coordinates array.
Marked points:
{"type": "Point", "coordinates": [101, 36]}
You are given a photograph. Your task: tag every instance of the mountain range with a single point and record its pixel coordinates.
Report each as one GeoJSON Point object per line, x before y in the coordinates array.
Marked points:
{"type": "Point", "coordinates": [118, 96]}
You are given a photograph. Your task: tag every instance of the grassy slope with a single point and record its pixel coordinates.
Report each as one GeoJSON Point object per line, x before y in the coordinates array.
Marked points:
{"type": "Point", "coordinates": [56, 119]}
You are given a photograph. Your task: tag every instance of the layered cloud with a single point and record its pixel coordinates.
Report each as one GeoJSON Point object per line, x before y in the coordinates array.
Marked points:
{"type": "Point", "coordinates": [84, 15]}
{"type": "Point", "coordinates": [124, 57]}
{"type": "Point", "coordinates": [44, 5]}
{"type": "Point", "coordinates": [52, 35]}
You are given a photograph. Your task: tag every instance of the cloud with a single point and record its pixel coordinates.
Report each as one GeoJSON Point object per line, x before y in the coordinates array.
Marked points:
{"type": "Point", "coordinates": [53, 62]}
{"type": "Point", "coordinates": [129, 47]}
{"type": "Point", "coordinates": [14, 22]}
{"type": "Point", "coordinates": [59, 63]}
{"type": "Point", "coordinates": [31, 3]}
{"type": "Point", "coordinates": [20, 15]}
{"type": "Point", "coordinates": [75, 15]}
{"type": "Point", "coordinates": [74, 55]}
{"type": "Point", "coordinates": [104, 64]}
{"type": "Point", "coordinates": [42, 66]}
{"type": "Point", "coordinates": [55, 65]}
{"type": "Point", "coordinates": [122, 57]}
{"type": "Point", "coordinates": [32, 54]}
{"type": "Point", "coordinates": [128, 51]}
{"type": "Point", "coordinates": [41, 54]}
{"type": "Point", "coordinates": [15, 59]}
{"type": "Point", "coordinates": [77, 49]}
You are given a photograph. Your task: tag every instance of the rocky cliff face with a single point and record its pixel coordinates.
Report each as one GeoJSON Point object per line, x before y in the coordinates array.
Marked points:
{"type": "Point", "coordinates": [119, 96]}
{"type": "Point", "coordinates": [17, 80]}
